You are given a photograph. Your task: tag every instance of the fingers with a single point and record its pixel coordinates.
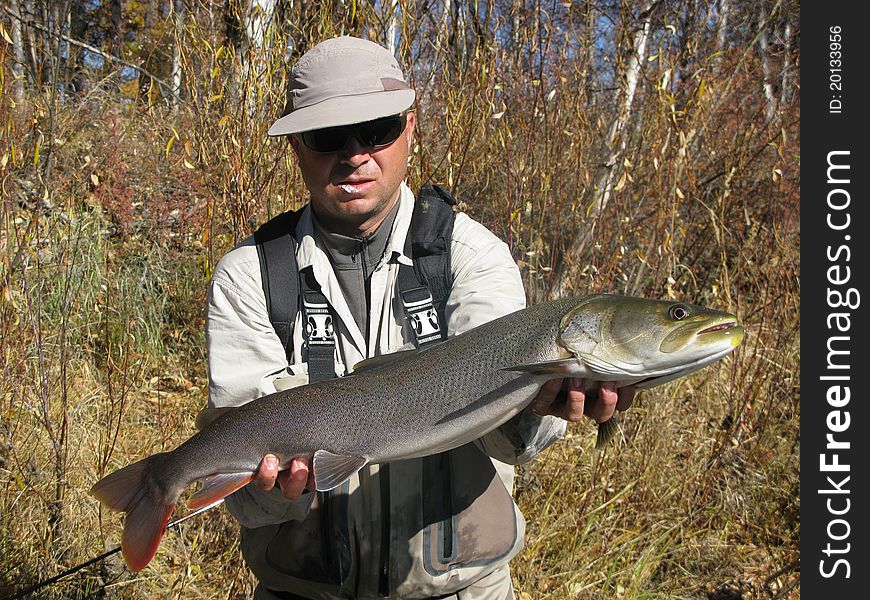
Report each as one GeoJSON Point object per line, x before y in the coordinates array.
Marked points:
{"type": "Point", "coordinates": [543, 402]}
{"type": "Point", "coordinates": [569, 399]}
{"type": "Point", "coordinates": [603, 408]}
{"type": "Point", "coordinates": [267, 473]}
{"type": "Point", "coordinates": [575, 404]}
{"type": "Point", "coordinates": [568, 405]}
{"type": "Point", "coordinates": [626, 397]}
{"type": "Point", "coordinates": [292, 481]}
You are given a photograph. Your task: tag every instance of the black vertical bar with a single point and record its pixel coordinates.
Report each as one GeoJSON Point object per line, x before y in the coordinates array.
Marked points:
{"type": "Point", "coordinates": [834, 422]}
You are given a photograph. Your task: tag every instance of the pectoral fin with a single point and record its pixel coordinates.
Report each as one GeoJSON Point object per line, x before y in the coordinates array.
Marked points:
{"type": "Point", "coordinates": [568, 367]}
{"type": "Point", "coordinates": [331, 470]}
{"type": "Point", "coordinates": [602, 368]}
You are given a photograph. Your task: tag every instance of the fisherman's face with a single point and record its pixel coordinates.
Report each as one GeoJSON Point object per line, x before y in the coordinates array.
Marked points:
{"type": "Point", "coordinates": [354, 188]}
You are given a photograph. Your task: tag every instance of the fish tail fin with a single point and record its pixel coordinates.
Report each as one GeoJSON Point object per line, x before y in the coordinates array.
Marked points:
{"type": "Point", "coordinates": [132, 490]}
{"type": "Point", "coordinates": [606, 431]}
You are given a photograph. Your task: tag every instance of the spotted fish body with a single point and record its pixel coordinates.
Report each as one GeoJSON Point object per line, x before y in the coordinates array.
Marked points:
{"type": "Point", "coordinates": [417, 403]}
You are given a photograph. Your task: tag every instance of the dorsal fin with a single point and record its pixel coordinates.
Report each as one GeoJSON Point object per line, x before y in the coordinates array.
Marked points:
{"type": "Point", "coordinates": [383, 360]}
{"type": "Point", "coordinates": [207, 416]}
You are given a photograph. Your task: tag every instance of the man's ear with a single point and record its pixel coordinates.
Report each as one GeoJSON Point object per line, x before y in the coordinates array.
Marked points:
{"type": "Point", "coordinates": [409, 127]}
{"type": "Point", "coordinates": [294, 143]}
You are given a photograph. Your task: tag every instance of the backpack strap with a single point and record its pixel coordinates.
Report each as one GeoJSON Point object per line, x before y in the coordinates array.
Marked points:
{"type": "Point", "coordinates": [319, 329]}
{"type": "Point", "coordinates": [276, 250]}
{"type": "Point", "coordinates": [424, 288]}
{"type": "Point", "coordinates": [282, 281]}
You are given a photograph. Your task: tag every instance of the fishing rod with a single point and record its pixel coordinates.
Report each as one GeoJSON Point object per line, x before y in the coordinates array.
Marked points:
{"type": "Point", "coordinates": [107, 554]}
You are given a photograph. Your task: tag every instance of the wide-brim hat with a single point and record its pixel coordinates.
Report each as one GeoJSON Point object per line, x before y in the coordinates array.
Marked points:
{"type": "Point", "coordinates": [343, 81]}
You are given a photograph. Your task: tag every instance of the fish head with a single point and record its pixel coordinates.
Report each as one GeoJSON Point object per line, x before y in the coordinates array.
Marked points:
{"type": "Point", "coordinates": [640, 340]}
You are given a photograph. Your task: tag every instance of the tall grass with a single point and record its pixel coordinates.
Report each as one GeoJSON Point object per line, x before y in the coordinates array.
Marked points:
{"type": "Point", "coordinates": [114, 213]}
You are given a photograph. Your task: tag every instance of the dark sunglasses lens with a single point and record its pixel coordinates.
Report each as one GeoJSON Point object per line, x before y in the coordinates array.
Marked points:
{"type": "Point", "coordinates": [381, 131]}
{"type": "Point", "coordinates": [326, 140]}
{"type": "Point", "coordinates": [374, 134]}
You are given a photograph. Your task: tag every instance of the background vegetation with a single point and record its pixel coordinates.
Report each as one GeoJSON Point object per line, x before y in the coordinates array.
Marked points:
{"type": "Point", "coordinates": [648, 148]}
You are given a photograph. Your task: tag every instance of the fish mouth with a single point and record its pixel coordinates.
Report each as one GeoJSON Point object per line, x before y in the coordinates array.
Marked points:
{"type": "Point", "coordinates": [719, 327]}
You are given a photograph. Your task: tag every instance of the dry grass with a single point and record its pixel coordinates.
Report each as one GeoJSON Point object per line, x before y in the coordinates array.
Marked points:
{"type": "Point", "coordinates": [114, 213]}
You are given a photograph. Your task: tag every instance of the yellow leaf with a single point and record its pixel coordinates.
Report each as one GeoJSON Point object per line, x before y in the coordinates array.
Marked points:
{"type": "Point", "coordinates": [680, 193]}
{"type": "Point", "coordinates": [187, 165]}
{"type": "Point", "coordinates": [36, 155]}
{"type": "Point", "coordinates": [169, 145]}
{"type": "Point", "coordinates": [95, 180]}
{"type": "Point", "coordinates": [621, 183]}
{"type": "Point", "coordinates": [5, 35]}
{"type": "Point", "coordinates": [215, 98]}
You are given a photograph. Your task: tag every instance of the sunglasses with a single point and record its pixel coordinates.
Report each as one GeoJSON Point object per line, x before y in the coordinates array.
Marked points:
{"type": "Point", "coordinates": [371, 134]}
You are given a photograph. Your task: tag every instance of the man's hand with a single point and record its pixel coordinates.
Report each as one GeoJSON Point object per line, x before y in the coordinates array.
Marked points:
{"type": "Point", "coordinates": [567, 398]}
{"type": "Point", "coordinates": [292, 481]}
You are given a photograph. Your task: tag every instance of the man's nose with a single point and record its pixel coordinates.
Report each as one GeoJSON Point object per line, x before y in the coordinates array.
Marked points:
{"type": "Point", "coordinates": [354, 152]}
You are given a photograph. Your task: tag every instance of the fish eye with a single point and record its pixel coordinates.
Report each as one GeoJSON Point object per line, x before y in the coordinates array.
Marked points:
{"type": "Point", "coordinates": [678, 312]}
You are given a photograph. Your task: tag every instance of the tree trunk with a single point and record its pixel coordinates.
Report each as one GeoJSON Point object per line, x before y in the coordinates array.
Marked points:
{"type": "Point", "coordinates": [722, 34]}
{"type": "Point", "coordinates": [766, 69]}
{"type": "Point", "coordinates": [118, 9]}
{"type": "Point", "coordinates": [232, 24]}
{"type": "Point", "coordinates": [178, 17]}
{"type": "Point", "coordinates": [17, 52]}
{"type": "Point", "coordinates": [786, 94]}
{"type": "Point", "coordinates": [76, 62]}
{"type": "Point", "coordinates": [456, 40]}
{"type": "Point", "coordinates": [258, 18]}
{"type": "Point", "coordinates": [588, 73]}
{"type": "Point", "coordinates": [148, 25]}
{"type": "Point", "coordinates": [392, 27]}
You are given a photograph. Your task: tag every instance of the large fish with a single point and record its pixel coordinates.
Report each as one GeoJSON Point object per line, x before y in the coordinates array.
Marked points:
{"type": "Point", "coordinates": [416, 403]}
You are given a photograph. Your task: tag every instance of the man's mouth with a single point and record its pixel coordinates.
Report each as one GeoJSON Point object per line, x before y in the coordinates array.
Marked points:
{"type": "Point", "coordinates": [356, 186]}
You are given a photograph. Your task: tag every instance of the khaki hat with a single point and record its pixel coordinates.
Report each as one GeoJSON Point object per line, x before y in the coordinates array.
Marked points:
{"type": "Point", "coordinates": [343, 81]}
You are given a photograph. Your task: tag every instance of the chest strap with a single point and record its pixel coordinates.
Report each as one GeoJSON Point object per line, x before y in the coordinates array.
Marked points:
{"type": "Point", "coordinates": [420, 308]}
{"type": "Point", "coordinates": [319, 330]}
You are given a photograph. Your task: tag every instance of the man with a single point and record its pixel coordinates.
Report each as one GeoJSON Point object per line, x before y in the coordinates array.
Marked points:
{"type": "Point", "coordinates": [443, 526]}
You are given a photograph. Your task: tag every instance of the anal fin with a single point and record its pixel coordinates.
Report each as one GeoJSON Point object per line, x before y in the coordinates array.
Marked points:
{"type": "Point", "coordinates": [219, 486]}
